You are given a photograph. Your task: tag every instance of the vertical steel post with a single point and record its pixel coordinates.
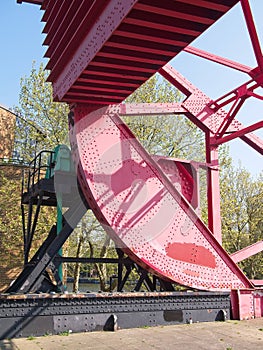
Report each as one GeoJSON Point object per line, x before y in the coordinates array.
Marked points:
{"type": "Point", "coordinates": [213, 189]}
{"type": "Point", "coordinates": [59, 228]}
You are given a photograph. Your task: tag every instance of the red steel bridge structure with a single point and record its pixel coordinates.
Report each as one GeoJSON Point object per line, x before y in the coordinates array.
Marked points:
{"type": "Point", "coordinates": [99, 53]}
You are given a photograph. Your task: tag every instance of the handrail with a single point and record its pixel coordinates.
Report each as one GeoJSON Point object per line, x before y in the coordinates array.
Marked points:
{"type": "Point", "coordinates": [40, 167]}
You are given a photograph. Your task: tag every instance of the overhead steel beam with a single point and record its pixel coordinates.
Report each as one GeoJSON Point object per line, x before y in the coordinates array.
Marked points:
{"type": "Point", "coordinates": [109, 20]}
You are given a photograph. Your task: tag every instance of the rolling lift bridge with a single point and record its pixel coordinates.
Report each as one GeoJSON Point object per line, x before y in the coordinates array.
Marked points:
{"type": "Point", "coordinates": [99, 53]}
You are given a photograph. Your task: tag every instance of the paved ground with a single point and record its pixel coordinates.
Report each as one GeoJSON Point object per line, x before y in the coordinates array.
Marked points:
{"type": "Point", "coordinates": [230, 335]}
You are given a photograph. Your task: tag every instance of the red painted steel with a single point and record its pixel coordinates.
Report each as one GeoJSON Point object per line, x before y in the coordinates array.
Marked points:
{"type": "Point", "coordinates": [201, 112]}
{"type": "Point", "coordinates": [252, 32]}
{"type": "Point", "coordinates": [130, 109]}
{"type": "Point", "coordinates": [140, 207]}
{"type": "Point", "coordinates": [214, 219]}
{"type": "Point", "coordinates": [208, 125]}
{"type": "Point", "coordinates": [101, 51]}
{"type": "Point", "coordinates": [213, 189]}
{"type": "Point", "coordinates": [221, 60]}
{"type": "Point", "coordinates": [184, 176]}
{"type": "Point", "coordinates": [36, 2]}
{"type": "Point", "coordinates": [258, 283]}
{"type": "Point", "coordinates": [239, 133]}
{"type": "Point", "coordinates": [246, 304]}
{"type": "Point", "coordinates": [247, 252]}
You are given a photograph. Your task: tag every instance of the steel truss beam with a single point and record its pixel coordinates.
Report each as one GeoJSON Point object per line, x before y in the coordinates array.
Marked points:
{"type": "Point", "coordinates": [27, 315]}
{"type": "Point", "coordinates": [150, 282]}
{"type": "Point", "coordinates": [252, 33]}
{"type": "Point", "coordinates": [31, 227]}
{"type": "Point", "coordinates": [238, 96]}
{"type": "Point", "coordinates": [207, 116]}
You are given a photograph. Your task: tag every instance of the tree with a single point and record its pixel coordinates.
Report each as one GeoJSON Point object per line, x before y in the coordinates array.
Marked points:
{"type": "Point", "coordinates": [90, 240]}
{"type": "Point", "coordinates": [11, 229]}
{"type": "Point", "coordinates": [11, 242]}
{"type": "Point", "coordinates": [165, 135]}
{"type": "Point", "coordinates": [241, 210]}
{"type": "Point", "coordinates": [41, 123]}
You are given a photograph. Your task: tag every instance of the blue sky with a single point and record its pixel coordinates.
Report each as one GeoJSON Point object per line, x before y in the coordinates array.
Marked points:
{"type": "Point", "coordinates": [21, 41]}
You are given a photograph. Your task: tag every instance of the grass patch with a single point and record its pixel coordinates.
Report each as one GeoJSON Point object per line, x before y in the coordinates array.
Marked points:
{"type": "Point", "coordinates": [31, 337]}
{"type": "Point", "coordinates": [65, 333]}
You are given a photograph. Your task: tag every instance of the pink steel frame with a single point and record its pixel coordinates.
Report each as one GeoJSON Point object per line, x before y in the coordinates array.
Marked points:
{"type": "Point", "coordinates": [201, 252]}
{"type": "Point", "coordinates": [197, 107]}
{"type": "Point", "coordinates": [142, 208]}
{"type": "Point", "coordinates": [165, 261]}
{"type": "Point", "coordinates": [149, 205]}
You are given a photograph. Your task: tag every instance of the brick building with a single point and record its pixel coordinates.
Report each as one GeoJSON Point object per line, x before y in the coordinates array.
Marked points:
{"type": "Point", "coordinates": [10, 177]}
{"type": "Point", "coordinates": [7, 133]}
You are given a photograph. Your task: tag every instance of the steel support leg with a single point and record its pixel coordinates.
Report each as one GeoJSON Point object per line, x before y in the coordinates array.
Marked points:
{"type": "Point", "coordinates": [213, 190]}
{"type": "Point", "coordinates": [28, 280]}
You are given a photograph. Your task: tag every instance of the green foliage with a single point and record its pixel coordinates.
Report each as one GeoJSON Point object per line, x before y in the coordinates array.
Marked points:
{"type": "Point", "coordinates": [90, 240]}
{"type": "Point", "coordinates": [165, 135]}
{"type": "Point", "coordinates": [42, 123]}
{"type": "Point", "coordinates": [11, 238]}
{"type": "Point", "coordinates": [242, 222]}
{"type": "Point", "coordinates": [65, 333]}
{"type": "Point", "coordinates": [10, 220]}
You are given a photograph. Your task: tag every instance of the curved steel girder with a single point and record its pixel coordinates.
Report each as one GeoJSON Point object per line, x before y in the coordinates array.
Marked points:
{"type": "Point", "coordinates": [141, 209]}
